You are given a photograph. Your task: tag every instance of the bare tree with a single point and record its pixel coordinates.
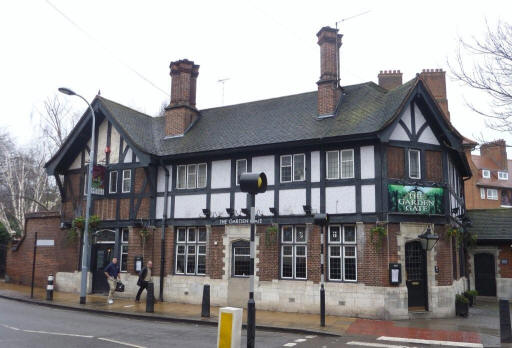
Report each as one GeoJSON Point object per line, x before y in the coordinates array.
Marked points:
{"type": "Point", "coordinates": [487, 66]}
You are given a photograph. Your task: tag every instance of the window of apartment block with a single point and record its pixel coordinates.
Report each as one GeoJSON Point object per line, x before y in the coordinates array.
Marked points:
{"type": "Point", "coordinates": [492, 194]}
{"type": "Point", "coordinates": [414, 164]}
{"type": "Point", "coordinates": [293, 167]}
{"type": "Point", "coordinates": [191, 250]}
{"type": "Point", "coordinates": [112, 182]}
{"type": "Point", "coordinates": [127, 181]}
{"type": "Point", "coordinates": [241, 258]}
{"type": "Point", "coordinates": [340, 164]}
{"type": "Point", "coordinates": [342, 253]}
{"type": "Point", "coordinates": [486, 173]}
{"type": "Point", "coordinates": [241, 168]}
{"type": "Point", "coordinates": [502, 175]}
{"type": "Point", "coordinates": [191, 176]}
{"type": "Point", "coordinates": [482, 193]}
{"type": "Point", "coordinates": [293, 252]}
{"type": "Point", "coordinates": [124, 250]}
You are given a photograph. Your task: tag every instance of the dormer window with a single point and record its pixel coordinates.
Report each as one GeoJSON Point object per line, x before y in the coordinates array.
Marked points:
{"type": "Point", "coordinates": [486, 173]}
{"type": "Point", "coordinates": [502, 175]}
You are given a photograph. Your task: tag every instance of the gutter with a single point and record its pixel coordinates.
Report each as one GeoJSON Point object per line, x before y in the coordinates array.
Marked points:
{"type": "Point", "coordinates": [164, 224]}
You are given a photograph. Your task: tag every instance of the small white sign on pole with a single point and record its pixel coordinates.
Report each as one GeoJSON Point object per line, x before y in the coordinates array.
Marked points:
{"type": "Point", "coordinates": [45, 242]}
{"type": "Point", "coordinates": [230, 327]}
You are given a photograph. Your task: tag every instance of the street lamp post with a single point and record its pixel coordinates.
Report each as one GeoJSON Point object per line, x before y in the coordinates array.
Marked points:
{"type": "Point", "coordinates": [85, 247]}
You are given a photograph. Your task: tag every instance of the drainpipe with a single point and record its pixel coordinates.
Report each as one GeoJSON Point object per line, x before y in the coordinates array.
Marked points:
{"type": "Point", "coordinates": [162, 240]}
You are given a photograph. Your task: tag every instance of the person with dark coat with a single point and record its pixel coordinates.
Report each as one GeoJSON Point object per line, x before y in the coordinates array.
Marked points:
{"type": "Point", "coordinates": [112, 274]}
{"type": "Point", "coordinates": [144, 279]}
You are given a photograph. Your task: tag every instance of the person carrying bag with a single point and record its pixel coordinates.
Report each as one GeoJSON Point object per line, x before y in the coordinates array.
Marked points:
{"type": "Point", "coordinates": [144, 279]}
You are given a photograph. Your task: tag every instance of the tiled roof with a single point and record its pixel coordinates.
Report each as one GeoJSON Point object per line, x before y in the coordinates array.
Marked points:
{"type": "Point", "coordinates": [491, 224]}
{"type": "Point", "coordinates": [485, 163]}
{"type": "Point", "coordinates": [364, 108]}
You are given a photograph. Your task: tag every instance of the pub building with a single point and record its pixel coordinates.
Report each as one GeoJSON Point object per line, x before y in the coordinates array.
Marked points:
{"type": "Point", "coordinates": [382, 160]}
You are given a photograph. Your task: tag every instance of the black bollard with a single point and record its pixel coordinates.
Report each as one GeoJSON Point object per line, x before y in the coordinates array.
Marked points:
{"type": "Point", "coordinates": [205, 309]}
{"type": "Point", "coordinates": [150, 299]}
{"type": "Point", "coordinates": [505, 330]}
{"type": "Point", "coordinates": [322, 306]}
{"type": "Point", "coordinates": [49, 288]}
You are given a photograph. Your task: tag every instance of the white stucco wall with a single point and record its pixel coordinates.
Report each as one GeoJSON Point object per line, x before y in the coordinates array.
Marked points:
{"type": "Point", "coordinates": [218, 204]}
{"type": "Point", "coordinates": [264, 164]}
{"type": "Point", "coordinates": [427, 136]}
{"type": "Point", "coordinates": [406, 118]}
{"type": "Point", "coordinates": [101, 157]}
{"type": "Point", "coordinates": [315, 166]}
{"type": "Point", "coordinates": [368, 198]}
{"type": "Point", "coordinates": [419, 118]}
{"type": "Point", "coordinates": [159, 208]}
{"type": "Point", "coordinates": [264, 201]}
{"type": "Point", "coordinates": [340, 200]}
{"type": "Point", "coordinates": [291, 201]}
{"type": "Point", "coordinates": [221, 174]}
{"type": "Point", "coordinates": [160, 184]}
{"type": "Point", "coordinates": [367, 162]}
{"type": "Point", "coordinates": [128, 157]}
{"type": "Point", "coordinates": [315, 200]}
{"type": "Point", "coordinates": [77, 163]}
{"type": "Point", "coordinates": [240, 200]}
{"type": "Point", "coordinates": [399, 134]}
{"type": "Point", "coordinates": [189, 206]}
{"type": "Point", "coordinates": [115, 141]}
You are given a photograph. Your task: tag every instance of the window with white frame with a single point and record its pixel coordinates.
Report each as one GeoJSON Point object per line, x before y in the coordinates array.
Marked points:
{"type": "Point", "coordinates": [502, 175]}
{"type": "Point", "coordinates": [124, 250]}
{"type": "Point", "coordinates": [340, 164]}
{"type": "Point", "coordinates": [492, 194]}
{"type": "Point", "coordinates": [293, 167]}
{"type": "Point", "coordinates": [112, 182]}
{"type": "Point", "coordinates": [486, 173]}
{"type": "Point", "coordinates": [414, 164]}
{"type": "Point", "coordinates": [241, 168]}
{"type": "Point", "coordinates": [293, 252]}
{"type": "Point", "coordinates": [191, 250]}
{"type": "Point", "coordinates": [482, 193]}
{"type": "Point", "coordinates": [241, 258]}
{"type": "Point", "coordinates": [191, 176]}
{"type": "Point", "coordinates": [342, 253]}
{"type": "Point", "coordinates": [127, 181]}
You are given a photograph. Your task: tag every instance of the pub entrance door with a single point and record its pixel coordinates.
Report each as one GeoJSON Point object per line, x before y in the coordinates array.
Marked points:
{"type": "Point", "coordinates": [415, 266]}
{"type": "Point", "coordinates": [101, 255]}
{"type": "Point", "coordinates": [485, 275]}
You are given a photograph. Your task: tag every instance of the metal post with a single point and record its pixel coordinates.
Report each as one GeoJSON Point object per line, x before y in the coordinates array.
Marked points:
{"type": "Point", "coordinates": [322, 277]}
{"type": "Point", "coordinates": [505, 330]}
{"type": "Point", "coordinates": [162, 235]}
{"type": "Point", "coordinates": [49, 288]}
{"type": "Point", "coordinates": [85, 249]}
{"type": "Point", "coordinates": [251, 305]}
{"type": "Point", "coordinates": [205, 308]}
{"type": "Point", "coordinates": [150, 298]}
{"type": "Point", "coordinates": [33, 267]}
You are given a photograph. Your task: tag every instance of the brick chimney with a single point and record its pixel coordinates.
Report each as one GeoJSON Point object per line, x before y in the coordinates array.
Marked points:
{"type": "Point", "coordinates": [435, 79]}
{"type": "Point", "coordinates": [390, 79]}
{"type": "Point", "coordinates": [495, 151]}
{"type": "Point", "coordinates": [182, 111]}
{"type": "Point", "coordinates": [328, 86]}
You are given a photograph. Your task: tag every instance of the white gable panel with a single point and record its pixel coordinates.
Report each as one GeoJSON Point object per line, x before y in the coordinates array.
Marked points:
{"type": "Point", "coordinates": [315, 200]}
{"type": "Point", "coordinates": [264, 164]}
{"type": "Point", "coordinates": [292, 201]}
{"type": "Point", "coordinates": [221, 174]}
{"type": "Point", "coordinates": [240, 201]}
{"type": "Point", "coordinates": [406, 118]}
{"type": "Point", "coordinates": [128, 157]}
{"type": "Point", "coordinates": [160, 185]}
{"type": "Point", "coordinates": [77, 163]}
{"type": "Point", "coordinates": [115, 139]}
{"type": "Point", "coordinates": [264, 201]}
{"type": "Point", "coordinates": [340, 200]}
{"type": "Point", "coordinates": [420, 119]}
{"type": "Point", "coordinates": [218, 204]}
{"type": "Point", "coordinates": [367, 162]}
{"type": "Point", "coordinates": [315, 166]}
{"type": "Point", "coordinates": [399, 134]}
{"type": "Point", "coordinates": [428, 137]}
{"type": "Point", "coordinates": [368, 198]}
{"type": "Point", "coordinates": [86, 152]}
{"type": "Point", "coordinates": [189, 206]}
{"type": "Point", "coordinates": [101, 157]}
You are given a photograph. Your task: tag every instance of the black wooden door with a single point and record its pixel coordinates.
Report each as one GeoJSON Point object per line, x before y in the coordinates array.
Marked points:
{"type": "Point", "coordinates": [485, 276]}
{"type": "Point", "coordinates": [415, 266]}
{"type": "Point", "coordinates": [101, 256]}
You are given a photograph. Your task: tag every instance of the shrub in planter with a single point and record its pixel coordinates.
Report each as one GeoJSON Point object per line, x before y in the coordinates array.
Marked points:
{"type": "Point", "coordinates": [471, 295]}
{"type": "Point", "coordinates": [461, 305]}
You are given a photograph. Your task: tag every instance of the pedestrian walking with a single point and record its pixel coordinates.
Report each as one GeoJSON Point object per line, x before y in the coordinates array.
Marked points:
{"type": "Point", "coordinates": [113, 276]}
{"type": "Point", "coordinates": [144, 279]}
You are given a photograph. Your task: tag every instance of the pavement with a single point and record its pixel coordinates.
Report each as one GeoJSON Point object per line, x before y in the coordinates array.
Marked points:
{"type": "Point", "coordinates": [481, 328]}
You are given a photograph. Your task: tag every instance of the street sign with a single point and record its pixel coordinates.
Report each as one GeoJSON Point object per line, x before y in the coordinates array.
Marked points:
{"type": "Point", "coordinates": [45, 242]}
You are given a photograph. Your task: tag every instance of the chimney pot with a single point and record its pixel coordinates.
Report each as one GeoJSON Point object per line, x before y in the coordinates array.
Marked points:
{"type": "Point", "coordinates": [435, 80]}
{"type": "Point", "coordinates": [390, 79]}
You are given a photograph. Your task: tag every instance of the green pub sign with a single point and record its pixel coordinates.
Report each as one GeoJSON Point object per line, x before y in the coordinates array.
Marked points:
{"type": "Point", "coordinates": [415, 199]}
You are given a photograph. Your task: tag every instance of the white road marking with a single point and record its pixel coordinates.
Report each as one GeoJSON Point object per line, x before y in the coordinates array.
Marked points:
{"type": "Point", "coordinates": [311, 336]}
{"type": "Point", "coordinates": [58, 333]}
{"type": "Point", "coordinates": [289, 344]}
{"type": "Point", "coordinates": [132, 305]}
{"type": "Point", "coordinates": [380, 345]}
{"type": "Point", "coordinates": [432, 342]}
{"type": "Point", "coordinates": [300, 340]}
{"type": "Point", "coordinates": [10, 327]}
{"type": "Point", "coordinates": [121, 343]}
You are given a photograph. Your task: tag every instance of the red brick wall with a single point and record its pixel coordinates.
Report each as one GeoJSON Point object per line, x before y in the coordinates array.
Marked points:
{"type": "Point", "coordinates": [268, 254]}
{"type": "Point", "coordinates": [215, 253]}
{"type": "Point", "coordinates": [63, 257]}
{"type": "Point", "coordinates": [314, 250]}
{"type": "Point", "coordinates": [443, 257]}
{"type": "Point", "coordinates": [505, 252]}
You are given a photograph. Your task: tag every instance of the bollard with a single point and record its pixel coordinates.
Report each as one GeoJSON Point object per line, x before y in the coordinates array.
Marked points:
{"type": "Point", "coordinates": [49, 288]}
{"type": "Point", "coordinates": [322, 306]}
{"type": "Point", "coordinates": [150, 299]}
{"type": "Point", "coordinates": [505, 330]}
{"type": "Point", "coordinates": [205, 309]}
{"type": "Point", "coordinates": [229, 331]}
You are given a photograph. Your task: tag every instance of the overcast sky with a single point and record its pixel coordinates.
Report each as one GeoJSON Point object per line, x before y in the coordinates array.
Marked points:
{"type": "Point", "coordinates": [265, 48]}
